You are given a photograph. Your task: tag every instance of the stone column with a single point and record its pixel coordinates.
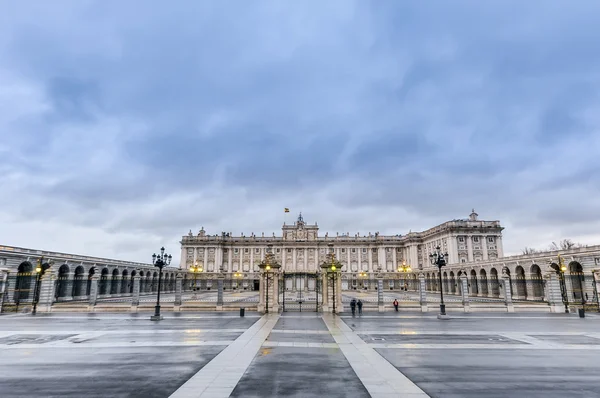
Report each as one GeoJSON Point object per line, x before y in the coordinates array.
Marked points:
{"type": "Point", "coordinates": [507, 290]}
{"type": "Point", "coordinates": [370, 257]}
{"type": "Point", "coordinates": [553, 292]}
{"type": "Point", "coordinates": [422, 292]}
{"type": "Point", "coordinates": [484, 247]}
{"type": "Point", "coordinates": [47, 291]}
{"type": "Point", "coordinates": [380, 303]}
{"type": "Point", "coordinates": [324, 298]}
{"type": "Point", "coordinates": [469, 248]}
{"type": "Point", "coordinates": [178, 292]}
{"type": "Point", "coordinates": [261, 292]}
{"type": "Point", "coordinates": [465, 292]}
{"type": "Point", "coordinates": [135, 295]}
{"type": "Point", "coordinates": [274, 303]}
{"type": "Point", "coordinates": [3, 286]}
{"type": "Point", "coordinates": [220, 281]}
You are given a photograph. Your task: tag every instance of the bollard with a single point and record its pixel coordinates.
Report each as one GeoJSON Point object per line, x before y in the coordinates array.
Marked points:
{"type": "Point", "coordinates": [581, 312]}
{"type": "Point", "coordinates": [242, 311]}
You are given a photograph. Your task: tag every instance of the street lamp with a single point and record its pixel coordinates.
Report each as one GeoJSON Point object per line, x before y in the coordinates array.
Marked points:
{"type": "Point", "coordinates": [267, 266]}
{"type": "Point", "coordinates": [404, 269]}
{"type": "Point", "coordinates": [563, 286]}
{"type": "Point", "coordinates": [331, 268]}
{"type": "Point", "coordinates": [160, 261]}
{"type": "Point", "coordinates": [196, 269]}
{"type": "Point", "coordinates": [39, 268]}
{"type": "Point", "coordinates": [440, 259]}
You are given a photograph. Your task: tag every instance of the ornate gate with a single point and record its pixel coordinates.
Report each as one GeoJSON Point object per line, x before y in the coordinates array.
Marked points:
{"type": "Point", "coordinates": [299, 291]}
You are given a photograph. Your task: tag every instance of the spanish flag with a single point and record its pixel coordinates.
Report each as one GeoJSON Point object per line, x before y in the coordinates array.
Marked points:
{"type": "Point", "coordinates": [286, 210]}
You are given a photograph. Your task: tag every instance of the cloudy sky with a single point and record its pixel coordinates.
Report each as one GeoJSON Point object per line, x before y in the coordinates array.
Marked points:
{"type": "Point", "coordinates": [124, 124]}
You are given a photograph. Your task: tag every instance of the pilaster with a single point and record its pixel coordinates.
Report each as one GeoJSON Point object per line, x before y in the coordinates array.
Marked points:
{"type": "Point", "coordinates": [178, 292]}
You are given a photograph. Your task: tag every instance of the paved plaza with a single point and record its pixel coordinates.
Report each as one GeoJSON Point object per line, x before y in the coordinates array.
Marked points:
{"type": "Point", "coordinates": [213, 354]}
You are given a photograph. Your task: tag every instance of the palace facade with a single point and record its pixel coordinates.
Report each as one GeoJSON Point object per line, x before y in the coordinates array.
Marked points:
{"type": "Point", "coordinates": [300, 248]}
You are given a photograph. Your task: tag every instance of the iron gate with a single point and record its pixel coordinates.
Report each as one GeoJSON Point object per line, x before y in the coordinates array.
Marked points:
{"type": "Point", "coordinates": [300, 291]}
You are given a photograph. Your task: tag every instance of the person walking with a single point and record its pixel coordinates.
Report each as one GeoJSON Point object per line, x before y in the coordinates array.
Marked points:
{"type": "Point", "coordinates": [353, 306]}
{"type": "Point", "coordinates": [396, 304]}
{"type": "Point", "coordinates": [359, 305]}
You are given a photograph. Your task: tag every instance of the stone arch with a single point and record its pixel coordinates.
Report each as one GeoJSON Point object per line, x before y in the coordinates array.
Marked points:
{"type": "Point", "coordinates": [577, 279]}
{"type": "Point", "coordinates": [474, 283]}
{"type": "Point", "coordinates": [155, 282]}
{"type": "Point", "coordinates": [537, 281]}
{"type": "Point", "coordinates": [446, 282]}
{"type": "Point", "coordinates": [452, 283]}
{"type": "Point", "coordinates": [494, 282]}
{"type": "Point", "coordinates": [483, 282]}
{"type": "Point", "coordinates": [78, 281]}
{"type": "Point", "coordinates": [63, 283]}
{"type": "Point", "coordinates": [114, 284]}
{"type": "Point", "coordinates": [125, 282]}
{"type": "Point", "coordinates": [103, 285]}
{"type": "Point", "coordinates": [521, 283]}
{"type": "Point", "coordinates": [91, 273]}
{"type": "Point", "coordinates": [24, 283]}
{"type": "Point", "coordinates": [133, 274]}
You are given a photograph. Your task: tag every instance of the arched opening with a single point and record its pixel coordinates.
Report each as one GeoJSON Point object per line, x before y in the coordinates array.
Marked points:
{"type": "Point", "coordinates": [494, 282]}
{"type": "Point", "coordinates": [452, 283]}
{"type": "Point", "coordinates": [155, 282]}
{"type": "Point", "coordinates": [103, 288]}
{"type": "Point", "coordinates": [124, 282]}
{"type": "Point", "coordinates": [63, 284]}
{"type": "Point", "coordinates": [446, 287]}
{"type": "Point", "coordinates": [459, 283]}
{"type": "Point", "coordinates": [537, 282]}
{"type": "Point", "coordinates": [577, 281]}
{"type": "Point", "coordinates": [114, 284]}
{"type": "Point", "coordinates": [78, 281]}
{"type": "Point", "coordinates": [133, 273]}
{"type": "Point", "coordinates": [520, 282]}
{"type": "Point", "coordinates": [24, 283]}
{"type": "Point", "coordinates": [483, 283]}
{"type": "Point", "coordinates": [89, 281]}
{"type": "Point", "coordinates": [474, 284]}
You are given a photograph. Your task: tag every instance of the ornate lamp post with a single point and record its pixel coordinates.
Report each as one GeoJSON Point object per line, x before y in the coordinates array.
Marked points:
{"type": "Point", "coordinates": [196, 269]}
{"type": "Point", "coordinates": [440, 259]}
{"type": "Point", "coordinates": [160, 261]}
{"type": "Point", "coordinates": [563, 286]}
{"type": "Point", "coordinates": [331, 269]}
{"type": "Point", "coordinates": [267, 266]}
{"type": "Point", "coordinates": [404, 268]}
{"type": "Point", "coordinates": [36, 292]}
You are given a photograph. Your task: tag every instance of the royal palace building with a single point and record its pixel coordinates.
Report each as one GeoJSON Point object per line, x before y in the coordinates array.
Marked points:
{"type": "Point", "coordinates": [301, 249]}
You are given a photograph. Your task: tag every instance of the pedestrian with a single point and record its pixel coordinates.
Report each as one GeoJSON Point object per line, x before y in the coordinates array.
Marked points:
{"type": "Point", "coordinates": [359, 305]}
{"type": "Point", "coordinates": [396, 304]}
{"type": "Point", "coordinates": [353, 306]}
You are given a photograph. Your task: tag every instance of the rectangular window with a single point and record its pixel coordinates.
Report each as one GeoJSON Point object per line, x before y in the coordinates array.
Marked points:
{"type": "Point", "coordinates": [236, 251]}
{"type": "Point", "coordinates": [461, 239]}
{"type": "Point", "coordinates": [364, 250]}
{"type": "Point", "coordinates": [278, 250]}
{"type": "Point", "coordinates": [374, 250]}
{"type": "Point", "coordinates": [398, 249]}
{"type": "Point", "coordinates": [476, 239]}
{"type": "Point", "coordinates": [246, 250]}
{"type": "Point", "coordinates": [343, 250]}
{"type": "Point", "coordinates": [387, 249]}
{"type": "Point", "coordinates": [224, 251]}
{"type": "Point", "coordinates": [353, 250]}
{"type": "Point", "coordinates": [289, 250]}
{"type": "Point", "coordinates": [491, 239]}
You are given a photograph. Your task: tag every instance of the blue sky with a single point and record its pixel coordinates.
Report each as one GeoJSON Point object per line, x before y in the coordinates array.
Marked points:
{"type": "Point", "coordinates": [125, 124]}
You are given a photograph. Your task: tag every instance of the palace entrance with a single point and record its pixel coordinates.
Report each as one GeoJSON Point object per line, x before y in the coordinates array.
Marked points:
{"type": "Point", "coordinates": [299, 291]}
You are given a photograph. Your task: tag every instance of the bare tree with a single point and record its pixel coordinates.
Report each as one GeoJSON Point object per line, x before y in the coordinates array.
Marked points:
{"type": "Point", "coordinates": [564, 244]}
{"type": "Point", "coordinates": [529, 250]}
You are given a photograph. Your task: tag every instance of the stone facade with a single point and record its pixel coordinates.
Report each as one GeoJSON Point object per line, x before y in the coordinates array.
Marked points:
{"type": "Point", "coordinates": [300, 248]}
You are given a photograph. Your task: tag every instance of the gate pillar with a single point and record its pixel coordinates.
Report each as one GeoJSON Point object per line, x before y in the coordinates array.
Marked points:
{"type": "Point", "coordinates": [422, 293]}
{"type": "Point", "coordinates": [135, 297]}
{"type": "Point", "coordinates": [465, 291]}
{"type": "Point", "coordinates": [507, 290]}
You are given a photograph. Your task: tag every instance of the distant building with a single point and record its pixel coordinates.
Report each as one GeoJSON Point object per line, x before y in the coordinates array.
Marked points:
{"type": "Point", "coordinates": [300, 249]}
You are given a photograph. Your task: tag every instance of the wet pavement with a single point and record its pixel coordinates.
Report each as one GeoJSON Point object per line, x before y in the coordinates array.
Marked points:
{"type": "Point", "coordinates": [301, 355]}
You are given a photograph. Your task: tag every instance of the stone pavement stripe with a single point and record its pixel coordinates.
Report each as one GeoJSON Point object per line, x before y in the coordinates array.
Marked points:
{"type": "Point", "coordinates": [144, 317]}
{"type": "Point", "coordinates": [61, 344]}
{"type": "Point", "coordinates": [121, 331]}
{"type": "Point", "coordinates": [300, 331]}
{"type": "Point", "coordinates": [220, 376]}
{"type": "Point", "coordinates": [487, 346]}
{"type": "Point", "coordinates": [299, 344]}
{"type": "Point", "coordinates": [465, 333]}
{"type": "Point", "coordinates": [378, 376]}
